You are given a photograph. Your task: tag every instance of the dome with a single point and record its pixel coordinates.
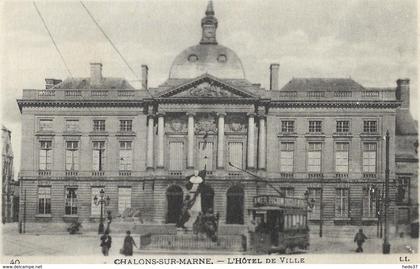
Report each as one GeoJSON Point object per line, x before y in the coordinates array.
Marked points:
{"type": "Point", "coordinates": [213, 59]}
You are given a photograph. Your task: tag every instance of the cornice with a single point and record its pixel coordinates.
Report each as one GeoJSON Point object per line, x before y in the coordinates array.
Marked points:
{"type": "Point", "coordinates": [335, 103]}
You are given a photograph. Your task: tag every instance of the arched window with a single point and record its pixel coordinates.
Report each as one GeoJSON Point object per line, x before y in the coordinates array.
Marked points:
{"type": "Point", "coordinates": [207, 198]}
{"type": "Point", "coordinates": [174, 197]}
{"type": "Point", "coordinates": [235, 205]}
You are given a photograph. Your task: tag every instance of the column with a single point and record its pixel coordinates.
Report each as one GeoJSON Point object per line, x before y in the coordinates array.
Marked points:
{"type": "Point", "coordinates": [261, 143]}
{"type": "Point", "coordinates": [190, 156]}
{"type": "Point", "coordinates": [149, 156]}
{"type": "Point", "coordinates": [221, 140]}
{"type": "Point", "coordinates": [161, 135]}
{"type": "Point", "coordinates": [251, 148]}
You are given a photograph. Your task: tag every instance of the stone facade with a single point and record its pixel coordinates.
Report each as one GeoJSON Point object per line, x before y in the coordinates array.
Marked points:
{"type": "Point", "coordinates": [139, 145]}
{"type": "Point", "coordinates": [10, 190]}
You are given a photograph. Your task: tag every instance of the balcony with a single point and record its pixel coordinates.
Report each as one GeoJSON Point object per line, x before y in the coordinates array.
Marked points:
{"type": "Point", "coordinates": [124, 173]}
{"type": "Point", "coordinates": [342, 175]}
{"type": "Point", "coordinates": [72, 173]}
{"type": "Point", "coordinates": [315, 175]}
{"type": "Point", "coordinates": [44, 173]}
{"type": "Point", "coordinates": [287, 175]}
{"type": "Point", "coordinates": [98, 173]}
{"type": "Point", "coordinates": [369, 176]}
{"type": "Point", "coordinates": [176, 173]}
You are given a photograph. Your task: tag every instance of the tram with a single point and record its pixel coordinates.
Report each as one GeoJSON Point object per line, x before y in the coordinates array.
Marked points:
{"type": "Point", "coordinates": [280, 224]}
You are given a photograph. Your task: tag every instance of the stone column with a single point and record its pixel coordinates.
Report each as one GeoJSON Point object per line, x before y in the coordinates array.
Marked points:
{"type": "Point", "coordinates": [190, 156]}
{"type": "Point", "coordinates": [261, 143]}
{"type": "Point", "coordinates": [221, 140]}
{"type": "Point", "coordinates": [150, 144]}
{"type": "Point", "coordinates": [161, 135]}
{"type": "Point", "coordinates": [251, 133]}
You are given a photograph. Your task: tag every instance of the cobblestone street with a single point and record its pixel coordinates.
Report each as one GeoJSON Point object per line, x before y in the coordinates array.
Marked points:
{"type": "Point", "coordinates": [15, 244]}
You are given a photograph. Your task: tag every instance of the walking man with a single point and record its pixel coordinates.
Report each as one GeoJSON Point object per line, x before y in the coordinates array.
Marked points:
{"type": "Point", "coordinates": [106, 241]}
{"type": "Point", "coordinates": [127, 249]}
{"type": "Point", "coordinates": [360, 238]}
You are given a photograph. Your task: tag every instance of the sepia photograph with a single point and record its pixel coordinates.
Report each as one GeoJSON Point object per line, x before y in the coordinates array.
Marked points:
{"type": "Point", "coordinates": [209, 132]}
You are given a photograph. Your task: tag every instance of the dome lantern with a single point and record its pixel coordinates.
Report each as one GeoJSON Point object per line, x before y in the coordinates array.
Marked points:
{"type": "Point", "coordinates": [209, 26]}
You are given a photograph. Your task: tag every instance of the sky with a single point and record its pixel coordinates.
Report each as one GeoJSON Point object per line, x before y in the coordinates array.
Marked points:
{"type": "Point", "coordinates": [372, 41]}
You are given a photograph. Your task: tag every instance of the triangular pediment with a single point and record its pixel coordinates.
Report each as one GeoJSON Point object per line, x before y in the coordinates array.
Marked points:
{"type": "Point", "coordinates": [206, 86]}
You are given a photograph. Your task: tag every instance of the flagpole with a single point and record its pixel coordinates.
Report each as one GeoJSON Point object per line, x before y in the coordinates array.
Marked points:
{"type": "Point", "coordinates": [259, 178]}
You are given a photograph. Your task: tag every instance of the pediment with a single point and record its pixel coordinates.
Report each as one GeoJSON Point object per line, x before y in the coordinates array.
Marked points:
{"type": "Point", "coordinates": [206, 87]}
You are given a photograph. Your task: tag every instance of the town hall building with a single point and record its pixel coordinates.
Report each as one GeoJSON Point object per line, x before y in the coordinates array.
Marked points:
{"type": "Point", "coordinates": [323, 136]}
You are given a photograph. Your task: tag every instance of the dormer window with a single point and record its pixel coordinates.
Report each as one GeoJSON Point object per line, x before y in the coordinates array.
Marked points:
{"type": "Point", "coordinates": [192, 58]}
{"type": "Point", "coordinates": [222, 58]}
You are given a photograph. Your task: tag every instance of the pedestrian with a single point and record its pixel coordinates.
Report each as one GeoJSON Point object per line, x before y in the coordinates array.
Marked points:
{"type": "Point", "coordinates": [106, 241]}
{"type": "Point", "coordinates": [127, 249]}
{"type": "Point", "coordinates": [360, 238]}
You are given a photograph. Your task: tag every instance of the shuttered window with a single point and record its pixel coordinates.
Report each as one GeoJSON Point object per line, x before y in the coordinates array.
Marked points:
{"type": "Point", "coordinates": [72, 155]}
{"type": "Point", "coordinates": [98, 155]}
{"type": "Point", "coordinates": [95, 209]}
{"type": "Point", "coordinates": [206, 150]}
{"type": "Point", "coordinates": [286, 157]}
{"type": "Point", "coordinates": [176, 156]}
{"type": "Point", "coordinates": [235, 155]}
{"type": "Point", "coordinates": [124, 199]}
{"type": "Point", "coordinates": [369, 158]}
{"type": "Point", "coordinates": [45, 155]}
{"type": "Point", "coordinates": [314, 157]}
{"type": "Point", "coordinates": [126, 156]}
{"type": "Point", "coordinates": [342, 158]}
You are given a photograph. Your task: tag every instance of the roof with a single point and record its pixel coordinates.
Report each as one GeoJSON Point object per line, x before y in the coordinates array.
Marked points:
{"type": "Point", "coordinates": [84, 83]}
{"type": "Point", "coordinates": [404, 123]}
{"type": "Point", "coordinates": [214, 59]}
{"type": "Point", "coordinates": [322, 84]}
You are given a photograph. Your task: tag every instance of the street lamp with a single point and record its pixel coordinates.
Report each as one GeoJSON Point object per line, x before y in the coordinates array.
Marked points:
{"type": "Point", "coordinates": [386, 246]}
{"type": "Point", "coordinates": [310, 203]}
{"type": "Point", "coordinates": [103, 202]}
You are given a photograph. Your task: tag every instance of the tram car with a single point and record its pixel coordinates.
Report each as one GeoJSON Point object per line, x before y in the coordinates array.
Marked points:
{"type": "Point", "coordinates": [279, 225]}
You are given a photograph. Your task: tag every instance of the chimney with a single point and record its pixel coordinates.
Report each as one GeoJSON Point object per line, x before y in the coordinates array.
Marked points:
{"type": "Point", "coordinates": [403, 92]}
{"type": "Point", "coordinates": [51, 82]}
{"type": "Point", "coordinates": [144, 76]}
{"type": "Point", "coordinates": [95, 74]}
{"type": "Point", "coordinates": [274, 77]}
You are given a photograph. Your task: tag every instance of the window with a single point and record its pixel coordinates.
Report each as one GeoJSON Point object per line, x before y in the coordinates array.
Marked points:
{"type": "Point", "coordinates": [403, 190]}
{"type": "Point", "coordinates": [315, 126]}
{"type": "Point", "coordinates": [315, 196]}
{"type": "Point", "coordinates": [126, 156]}
{"type": "Point", "coordinates": [72, 155]}
{"type": "Point", "coordinates": [176, 156]}
{"type": "Point", "coordinates": [72, 125]}
{"type": "Point", "coordinates": [369, 157]}
{"type": "Point", "coordinates": [342, 203]}
{"type": "Point", "coordinates": [45, 125]}
{"type": "Point", "coordinates": [126, 125]}
{"type": "Point", "coordinates": [99, 125]}
{"type": "Point", "coordinates": [44, 200]}
{"type": "Point", "coordinates": [314, 157]}
{"type": "Point", "coordinates": [96, 209]}
{"type": "Point", "coordinates": [370, 126]}
{"type": "Point", "coordinates": [369, 202]}
{"type": "Point", "coordinates": [71, 201]}
{"type": "Point", "coordinates": [287, 191]}
{"type": "Point", "coordinates": [287, 126]}
{"type": "Point", "coordinates": [124, 199]}
{"type": "Point", "coordinates": [205, 150]}
{"type": "Point", "coordinates": [235, 155]}
{"type": "Point", "coordinates": [342, 126]}
{"type": "Point", "coordinates": [98, 155]}
{"type": "Point", "coordinates": [342, 157]}
{"type": "Point", "coordinates": [286, 157]}
{"type": "Point", "coordinates": [45, 155]}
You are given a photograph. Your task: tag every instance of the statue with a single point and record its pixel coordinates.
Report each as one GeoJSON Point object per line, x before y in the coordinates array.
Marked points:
{"type": "Point", "coordinates": [193, 185]}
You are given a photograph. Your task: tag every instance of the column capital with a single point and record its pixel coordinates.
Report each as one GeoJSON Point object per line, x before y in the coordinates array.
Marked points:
{"type": "Point", "coordinates": [251, 114]}
{"type": "Point", "coordinates": [190, 114]}
{"type": "Point", "coordinates": [221, 114]}
{"type": "Point", "coordinates": [151, 115]}
{"type": "Point", "coordinates": [261, 116]}
{"type": "Point", "coordinates": [161, 114]}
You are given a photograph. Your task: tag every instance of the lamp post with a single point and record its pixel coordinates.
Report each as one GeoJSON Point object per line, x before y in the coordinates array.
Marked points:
{"type": "Point", "coordinates": [386, 247]}
{"type": "Point", "coordinates": [103, 202]}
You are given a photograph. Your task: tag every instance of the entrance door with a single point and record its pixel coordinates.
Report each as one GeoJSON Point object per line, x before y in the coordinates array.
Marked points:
{"type": "Point", "coordinates": [174, 197]}
{"type": "Point", "coordinates": [235, 205]}
{"type": "Point", "coordinates": [207, 198]}
{"type": "Point", "coordinates": [274, 219]}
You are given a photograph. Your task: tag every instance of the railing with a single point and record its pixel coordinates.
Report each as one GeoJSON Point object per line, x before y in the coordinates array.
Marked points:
{"type": "Point", "coordinates": [99, 93]}
{"type": "Point", "coordinates": [315, 175]}
{"type": "Point", "coordinates": [125, 173]}
{"type": "Point", "coordinates": [46, 93]}
{"type": "Point", "coordinates": [315, 94]}
{"type": "Point", "coordinates": [98, 173]}
{"type": "Point", "coordinates": [75, 93]}
{"type": "Point", "coordinates": [342, 175]}
{"type": "Point", "coordinates": [176, 173]}
{"type": "Point", "coordinates": [126, 93]}
{"type": "Point", "coordinates": [286, 175]}
{"type": "Point", "coordinates": [44, 173]}
{"type": "Point", "coordinates": [369, 175]}
{"type": "Point", "coordinates": [342, 94]}
{"type": "Point", "coordinates": [370, 93]}
{"type": "Point", "coordinates": [234, 174]}
{"type": "Point", "coordinates": [72, 173]}
{"type": "Point", "coordinates": [191, 241]}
